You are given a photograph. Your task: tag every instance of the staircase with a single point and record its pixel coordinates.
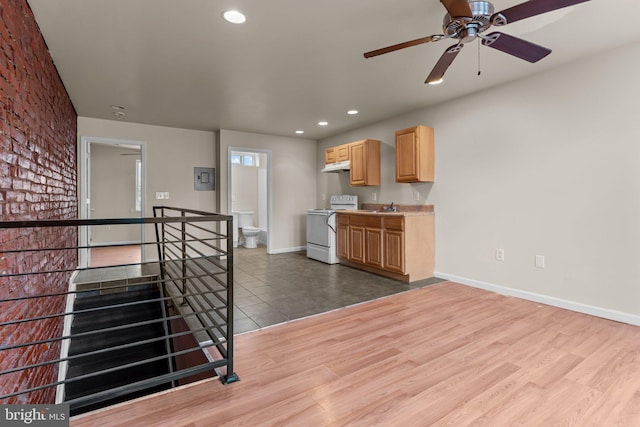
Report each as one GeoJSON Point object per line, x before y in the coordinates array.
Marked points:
{"type": "Point", "coordinates": [116, 310]}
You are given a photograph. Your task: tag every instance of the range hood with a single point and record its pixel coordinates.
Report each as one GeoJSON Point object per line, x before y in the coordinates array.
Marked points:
{"type": "Point", "coordinates": [337, 167]}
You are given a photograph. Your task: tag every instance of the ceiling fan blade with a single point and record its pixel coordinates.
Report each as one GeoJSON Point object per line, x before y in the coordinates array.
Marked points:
{"type": "Point", "coordinates": [443, 63]}
{"type": "Point", "coordinates": [514, 46]}
{"type": "Point", "coordinates": [433, 38]}
{"type": "Point", "coordinates": [457, 8]}
{"type": "Point", "coordinates": [530, 8]}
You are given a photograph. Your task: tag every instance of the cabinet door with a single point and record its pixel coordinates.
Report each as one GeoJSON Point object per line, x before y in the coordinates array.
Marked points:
{"type": "Point", "coordinates": [406, 157]}
{"type": "Point", "coordinates": [330, 155]}
{"type": "Point", "coordinates": [415, 154]}
{"type": "Point", "coordinates": [343, 241]}
{"type": "Point", "coordinates": [342, 153]}
{"type": "Point", "coordinates": [356, 244]}
{"type": "Point", "coordinates": [358, 163]}
{"type": "Point", "coordinates": [394, 251]}
{"type": "Point", "coordinates": [373, 247]}
{"type": "Point", "coordinates": [365, 162]}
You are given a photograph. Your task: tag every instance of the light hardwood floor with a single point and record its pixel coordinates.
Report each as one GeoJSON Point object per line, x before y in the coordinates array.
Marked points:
{"type": "Point", "coordinates": [115, 255]}
{"type": "Point", "coordinates": [444, 355]}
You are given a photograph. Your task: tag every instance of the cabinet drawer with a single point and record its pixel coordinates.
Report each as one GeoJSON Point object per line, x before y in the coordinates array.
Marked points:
{"type": "Point", "coordinates": [371, 221]}
{"type": "Point", "coordinates": [393, 223]}
{"type": "Point", "coordinates": [342, 219]}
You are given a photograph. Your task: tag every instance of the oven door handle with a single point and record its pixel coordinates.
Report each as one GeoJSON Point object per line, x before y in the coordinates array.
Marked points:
{"type": "Point", "coordinates": [329, 225]}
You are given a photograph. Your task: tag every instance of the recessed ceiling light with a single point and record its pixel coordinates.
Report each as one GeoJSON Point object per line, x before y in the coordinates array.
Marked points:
{"type": "Point", "coordinates": [352, 112]}
{"type": "Point", "coordinates": [234, 17]}
{"type": "Point", "coordinates": [300, 131]}
{"type": "Point", "coordinates": [323, 123]}
{"type": "Point", "coordinates": [436, 82]}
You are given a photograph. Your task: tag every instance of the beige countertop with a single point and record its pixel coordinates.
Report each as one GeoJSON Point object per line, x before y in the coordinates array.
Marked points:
{"type": "Point", "coordinates": [403, 210]}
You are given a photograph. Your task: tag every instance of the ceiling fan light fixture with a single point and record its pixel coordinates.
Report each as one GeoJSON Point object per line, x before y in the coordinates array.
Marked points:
{"type": "Point", "coordinates": [234, 17]}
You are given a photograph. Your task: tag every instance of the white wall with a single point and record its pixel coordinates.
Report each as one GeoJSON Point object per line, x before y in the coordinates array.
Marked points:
{"type": "Point", "coordinates": [113, 192]}
{"type": "Point", "coordinates": [293, 175]}
{"type": "Point", "coordinates": [548, 165]}
{"type": "Point", "coordinates": [170, 156]}
{"type": "Point", "coordinates": [245, 189]}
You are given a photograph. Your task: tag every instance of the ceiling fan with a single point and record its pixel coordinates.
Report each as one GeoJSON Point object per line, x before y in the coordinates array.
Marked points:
{"type": "Point", "coordinates": [466, 20]}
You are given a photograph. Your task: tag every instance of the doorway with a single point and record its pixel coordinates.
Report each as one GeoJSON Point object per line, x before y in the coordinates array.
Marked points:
{"type": "Point", "coordinates": [249, 190]}
{"type": "Point", "coordinates": [112, 186]}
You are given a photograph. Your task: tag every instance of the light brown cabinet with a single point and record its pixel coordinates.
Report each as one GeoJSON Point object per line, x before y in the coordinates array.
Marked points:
{"type": "Point", "coordinates": [330, 155]}
{"type": "Point", "coordinates": [342, 233]}
{"type": "Point", "coordinates": [415, 154]}
{"type": "Point", "coordinates": [394, 245]}
{"type": "Point", "coordinates": [342, 152]}
{"type": "Point", "coordinates": [339, 153]}
{"type": "Point", "coordinates": [365, 162]}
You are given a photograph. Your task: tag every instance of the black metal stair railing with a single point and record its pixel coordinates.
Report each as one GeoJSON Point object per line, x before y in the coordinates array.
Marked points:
{"type": "Point", "coordinates": [168, 322]}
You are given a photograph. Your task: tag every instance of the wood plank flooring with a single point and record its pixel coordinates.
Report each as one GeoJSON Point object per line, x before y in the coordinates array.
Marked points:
{"type": "Point", "coordinates": [115, 255]}
{"type": "Point", "coordinates": [444, 355]}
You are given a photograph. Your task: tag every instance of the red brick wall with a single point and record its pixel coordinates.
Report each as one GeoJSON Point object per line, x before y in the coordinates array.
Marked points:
{"type": "Point", "coordinates": [37, 181]}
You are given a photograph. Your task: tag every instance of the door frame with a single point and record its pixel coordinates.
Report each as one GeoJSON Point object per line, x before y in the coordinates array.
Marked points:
{"type": "Point", "coordinates": [84, 234]}
{"type": "Point", "coordinates": [269, 190]}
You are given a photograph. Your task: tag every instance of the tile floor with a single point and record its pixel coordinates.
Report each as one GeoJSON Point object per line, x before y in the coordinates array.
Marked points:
{"type": "Point", "coordinates": [271, 289]}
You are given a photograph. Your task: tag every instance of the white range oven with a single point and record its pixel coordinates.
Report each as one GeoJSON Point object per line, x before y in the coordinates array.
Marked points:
{"type": "Point", "coordinates": [321, 228]}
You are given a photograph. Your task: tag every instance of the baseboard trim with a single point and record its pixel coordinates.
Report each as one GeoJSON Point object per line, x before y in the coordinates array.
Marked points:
{"type": "Point", "coordinates": [606, 313]}
{"type": "Point", "coordinates": [286, 250]}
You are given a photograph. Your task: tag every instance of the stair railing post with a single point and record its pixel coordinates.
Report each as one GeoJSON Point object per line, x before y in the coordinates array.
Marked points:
{"type": "Point", "coordinates": [231, 376]}
{"type": "Point", "coordinates": [184, 257]}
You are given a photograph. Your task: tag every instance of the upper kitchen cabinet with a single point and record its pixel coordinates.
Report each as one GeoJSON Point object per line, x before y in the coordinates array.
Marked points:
{"type": "Point", "coordinates": [365, 162]}
{"type": "Point", "coordinates": [336, 154]}
{"type": "Point", "coordinates": [342, 152]}
{"type": "Point", "coordinates": [415, 154]}
{"type": "Point", "coordinates": [330, 155]}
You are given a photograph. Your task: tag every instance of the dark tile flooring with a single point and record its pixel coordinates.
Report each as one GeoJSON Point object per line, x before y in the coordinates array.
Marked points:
{"type": "Point", "coordinates": [271, 289]}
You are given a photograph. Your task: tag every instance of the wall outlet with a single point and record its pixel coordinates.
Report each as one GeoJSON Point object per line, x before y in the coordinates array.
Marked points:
{"type": "Point", "coordinates": [374, 196]}
{"type": "Point", "coordinates": [416, 196]}
{"type": "Point", "coordinates": [539, 261]}
{"type": "Point", "coordinates": [499, 254]}
{"type": "Point", "coordinates": [324, 197]}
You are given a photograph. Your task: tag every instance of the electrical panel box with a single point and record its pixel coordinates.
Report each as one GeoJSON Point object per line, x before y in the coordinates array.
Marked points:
{"type": "Point", "coordinates": [204, 179]}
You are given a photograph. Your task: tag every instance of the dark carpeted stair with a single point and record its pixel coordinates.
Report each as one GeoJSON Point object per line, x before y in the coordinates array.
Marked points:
{"type": "Point", "coordinates": [112, 315]}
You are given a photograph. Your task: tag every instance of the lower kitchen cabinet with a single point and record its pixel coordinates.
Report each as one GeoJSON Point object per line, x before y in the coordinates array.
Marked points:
{"type": "Point", "coordinates": [396, 245]}
{"type": "Point", "coordinates": [394, 251]}
{"type": "Point", "coordinates": [373, 247]}
{"type": "Point", "coordinates": [356, 244]}
{"type": "Point", "coordinates": [342, 232]}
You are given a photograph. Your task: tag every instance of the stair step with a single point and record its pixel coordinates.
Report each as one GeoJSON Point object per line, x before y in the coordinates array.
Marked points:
{"type": "Point", "coordinates": [117, 316]}
{"type": "Point", "coordinates": [115, 298]}
{"type": "Point", "coordinates": [115, 338]}
{"type": "Point", "coordinates": [109, 381]}
{"type": "Point", "coordinates": [113, 315]}
{"type": "Point", "coordinates": [111, 359]}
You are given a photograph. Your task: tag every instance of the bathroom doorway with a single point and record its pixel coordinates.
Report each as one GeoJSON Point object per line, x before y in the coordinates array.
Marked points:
{"type": "Point", "coordinates": [249, 191]}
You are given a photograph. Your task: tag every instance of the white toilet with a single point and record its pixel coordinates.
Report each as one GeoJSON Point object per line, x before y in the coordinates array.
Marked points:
{"type": "Point", "coordinates": [250, 233]}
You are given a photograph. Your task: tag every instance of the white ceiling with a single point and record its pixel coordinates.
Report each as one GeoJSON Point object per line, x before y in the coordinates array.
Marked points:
{"type": "Point", "coordinates": [294, 62]}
